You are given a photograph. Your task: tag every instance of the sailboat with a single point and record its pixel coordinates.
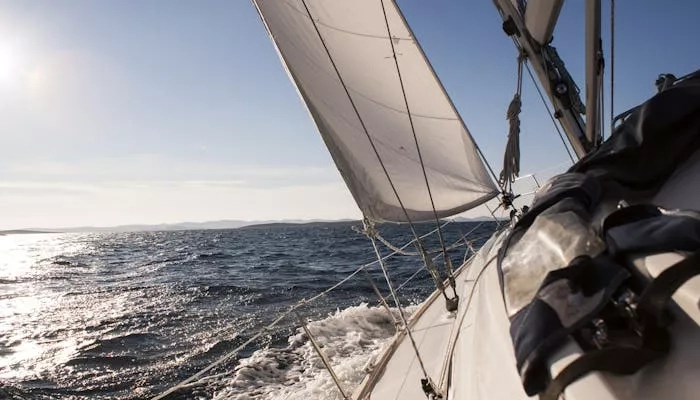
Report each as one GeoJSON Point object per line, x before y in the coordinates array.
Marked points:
{"type": "Point", "coordinates": [590, 292]}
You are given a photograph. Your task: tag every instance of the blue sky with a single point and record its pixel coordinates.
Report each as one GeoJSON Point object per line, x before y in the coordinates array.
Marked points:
{"type": "Point", "coordinates": [119, 112]}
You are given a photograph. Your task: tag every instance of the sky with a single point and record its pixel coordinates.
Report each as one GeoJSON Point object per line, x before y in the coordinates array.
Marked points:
{"type": "Point", "coordinates": [126, 111]}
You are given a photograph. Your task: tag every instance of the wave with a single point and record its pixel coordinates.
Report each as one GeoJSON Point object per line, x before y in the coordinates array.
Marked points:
{"type": "Point", "coordinates": [351, 339]}
{"type": "Point", "coordinates": [212, 256]}
{"type": "Point", "coordinates": [102, 361]}
{"type": "Point", "coordinates": [122, 351]}
{"type": "Point", "coordinates": [125, 316]}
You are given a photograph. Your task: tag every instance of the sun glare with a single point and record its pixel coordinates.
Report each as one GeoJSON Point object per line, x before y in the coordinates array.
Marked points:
{"type": "Point", "coordinates": [10, 63]}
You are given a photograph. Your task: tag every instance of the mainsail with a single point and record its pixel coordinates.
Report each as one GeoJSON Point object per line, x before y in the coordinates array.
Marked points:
{"type": "Point", "coordinates": [379, 107]}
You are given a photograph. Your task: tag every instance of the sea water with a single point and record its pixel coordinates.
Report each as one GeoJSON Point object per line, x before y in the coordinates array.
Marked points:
{"type": "Point", "coordinates": [128, 315]}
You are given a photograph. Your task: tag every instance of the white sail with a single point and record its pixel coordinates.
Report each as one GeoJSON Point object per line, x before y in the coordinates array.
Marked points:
{"type": "Point", "coordinates": [339, 55]}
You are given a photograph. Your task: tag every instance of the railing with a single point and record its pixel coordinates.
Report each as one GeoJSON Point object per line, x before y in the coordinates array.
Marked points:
{"type": "Point", "coordinates": [526, 186]}
{"type": "Point", "coordinates": [467, 240]}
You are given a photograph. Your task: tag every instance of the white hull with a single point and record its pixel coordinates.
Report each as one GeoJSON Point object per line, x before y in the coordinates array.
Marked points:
{"type": "Point", "coordinates": [470, 355]}
{"type": "Point", "coordinates": [406, 156]}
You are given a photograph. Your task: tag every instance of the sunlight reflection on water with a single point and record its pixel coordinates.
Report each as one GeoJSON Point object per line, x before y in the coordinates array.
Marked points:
{"type": "Point", "coordinates": [24, 259]}
{"type": "Point", "coordinates": [125, 315]}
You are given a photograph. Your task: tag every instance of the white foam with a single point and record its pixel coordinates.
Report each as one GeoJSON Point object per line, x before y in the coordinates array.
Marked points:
{"type": "Point", "coordinates": [350, 338]}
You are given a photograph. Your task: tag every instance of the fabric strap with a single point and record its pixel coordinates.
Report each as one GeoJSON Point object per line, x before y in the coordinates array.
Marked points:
{"type": "Point", "coordinates": [628, 360]}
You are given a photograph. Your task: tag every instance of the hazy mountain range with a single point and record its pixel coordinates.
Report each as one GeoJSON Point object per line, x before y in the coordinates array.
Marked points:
{"type": "Point", "coordinates": [182, 226]}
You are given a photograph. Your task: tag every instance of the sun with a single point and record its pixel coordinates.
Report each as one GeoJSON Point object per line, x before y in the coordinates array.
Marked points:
{"type": "Point", "coordinates": [10, 62]}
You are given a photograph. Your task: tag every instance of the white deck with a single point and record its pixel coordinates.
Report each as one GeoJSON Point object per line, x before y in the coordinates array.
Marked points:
{"type": "Point", "coordinates": [397, 374]}
{"type": "Point", "coordinates": [482, 365]}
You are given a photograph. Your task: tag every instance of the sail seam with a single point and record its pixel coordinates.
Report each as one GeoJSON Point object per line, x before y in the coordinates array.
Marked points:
{"type": "Point", "coordinates": [391, 183]}
{"type": "Point", "coordinates": [456, 169]}
{"type": "Point", "coordinates": [449, 99]}
{"type": "Point", "coordinates": [364, 127]}
{"type": "Point", "coordinates": [335, 28]}
{"type": "Point", "coordinates": [476, 186]}
{"type": "Point", "coordinates": [357, 92]}
{"type": "Point", "coordinates": [418, 150]}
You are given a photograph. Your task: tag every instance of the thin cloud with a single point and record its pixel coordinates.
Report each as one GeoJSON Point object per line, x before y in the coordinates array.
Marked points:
{"type": "Point", "coordinates": [65, 204]}
{"type": "Point", "coordinates": [154, 167]}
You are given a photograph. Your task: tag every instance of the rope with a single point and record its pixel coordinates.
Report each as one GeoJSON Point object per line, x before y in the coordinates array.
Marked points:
{"type": "Point", "coordinates": [370, 229]}
{"type": "Point", "coordinates": [371, 232]}
{"type": "Point", "coordinates": [576, 101]}
{"type": "Point", "coordinates": [466, 253]}
{"type": "Point", "coordinates": [470, 249]}
{"type": "Point", "coordinates": [392, 247]}
{"type": "Point", "coordinates": [324, 359]}
{"type": "Point", "coordinates": [511, 158]}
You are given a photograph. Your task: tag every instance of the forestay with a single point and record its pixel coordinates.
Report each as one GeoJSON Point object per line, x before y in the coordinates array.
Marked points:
{"type": "Point", "coordinates": [374, 112]}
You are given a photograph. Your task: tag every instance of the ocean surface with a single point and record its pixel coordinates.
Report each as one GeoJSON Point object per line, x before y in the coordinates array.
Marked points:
{"type": "Point", "coordinates": [128, 315]}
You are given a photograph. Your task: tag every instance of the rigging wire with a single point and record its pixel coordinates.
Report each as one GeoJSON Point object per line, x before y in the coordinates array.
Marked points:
{"type": "Point", "coordinates": [470, 249]}
{"type": "Point", "coordinates": [475, 282]}
{"type": "Point", "coordinates": [459, 243]}
{"type": "Point", "coordinates": [366, 131]}
{"type": "Point", "coordinates": [370, 231]}
{"type": "Point", "coordinates": [326, 362]}
{"type": "Point", "coordinates": [601, 101]}
{"type": "Point", "coordinates": [390, 246]}
{"type": "Point", "coordinates": [398, 305]}
{"type": "Point", "coordinates": [612, 65]}
{"type": "Point", "coordinates": [380, 259]}
{"type": "Point", "coordinates": [445, 256]}
{"type": "Point", "coordinates": [551, 116]}
{"type": "Point", "coordinates": [382, 299]}
{"type": "Point", "coordinates": [186, 382]}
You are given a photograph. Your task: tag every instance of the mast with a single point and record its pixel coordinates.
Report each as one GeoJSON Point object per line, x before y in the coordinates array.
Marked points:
{"type": "Point", "coordinates": [558, 90]}
{"type": "Point", "coordinates": [594, 70]}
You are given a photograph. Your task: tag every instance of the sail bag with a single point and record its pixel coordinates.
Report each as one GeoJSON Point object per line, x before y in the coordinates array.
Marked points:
{"type": "Point", "coordinates": [565, 268]}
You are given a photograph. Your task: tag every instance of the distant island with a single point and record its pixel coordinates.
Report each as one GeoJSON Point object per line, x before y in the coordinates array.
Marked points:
{"type": "Point", "coordinates": [180, 226]}
{"type": "Point", "coordinates": [185, 226]}
{"type": "Point", "coordinates": [311, 224]}
{"type": "Point", "coordinates": [22, 232]}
